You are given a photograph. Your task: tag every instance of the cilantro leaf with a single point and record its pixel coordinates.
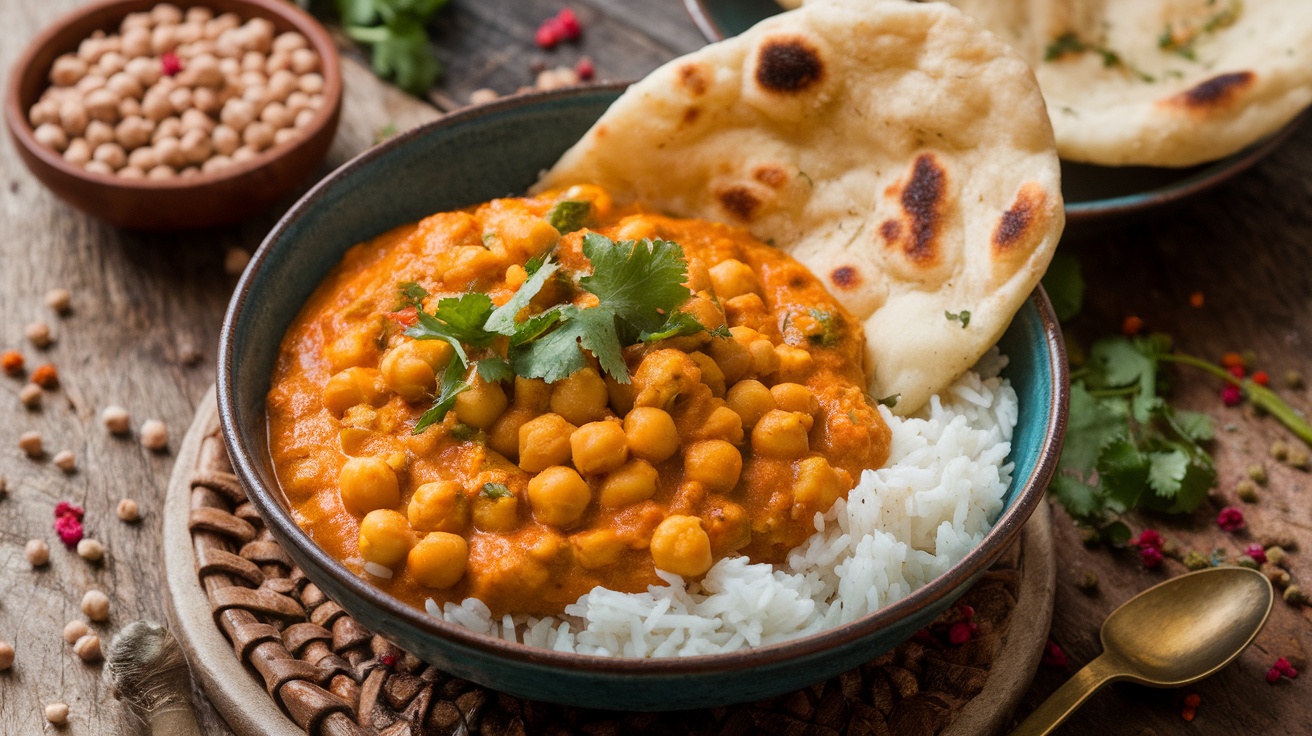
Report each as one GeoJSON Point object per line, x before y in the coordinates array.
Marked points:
{"type": "Point", "coordinates": [456, 320]}
{"type": "Point", "coordinates": [494, 370]}
{"type": "Point", "coordinates": [569, 215]}
{"type": "Point", "coordinates": [889, 401]}
{"type": "Point", "coordinates": [503, 318]}
{"type": "Point", "coordinates": [963, 317]}
{"type": "Point", "coordinates": [495, 490]}
{"type": "Point", "coordinates": [1123, 473]}
{"type": "Point", "coordinates": [1091, 427]}
{"type": "Point", "coordinates": [679, 324]}
{"type": "Point", "coordinates": [1166, 471]}
{"type": "Point", "coordinates": [638, 282]}
{"type": "Point", "coordinates": [410, 294]}
{"type": "Point", "coordinates": [1193, 425]}
{"type": "Point", "coordinates": [553, 355]}
{"type": "Point", "coordinates": [453, 384]}
{"type": "Point", "coordinates": [533, 327]}
{"type": "Point", "coordinates": [1080, 499]}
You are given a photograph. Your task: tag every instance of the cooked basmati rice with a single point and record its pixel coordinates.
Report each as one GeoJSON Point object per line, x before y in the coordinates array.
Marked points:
{"type": "Point", "coordinates": [902, 526]}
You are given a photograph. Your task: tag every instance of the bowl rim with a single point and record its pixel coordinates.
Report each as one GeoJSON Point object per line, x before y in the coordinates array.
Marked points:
{"type": "Point", "coordinates": [1004, 530]}
{"type": "Point", "coordinates": [15, 109]}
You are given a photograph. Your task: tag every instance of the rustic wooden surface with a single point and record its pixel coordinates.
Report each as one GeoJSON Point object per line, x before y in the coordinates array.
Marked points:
{"type": "Point", "coordinates": [144, 303]}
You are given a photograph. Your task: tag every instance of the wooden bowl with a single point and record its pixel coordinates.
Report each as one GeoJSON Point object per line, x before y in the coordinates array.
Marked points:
{"type": "Point", "coordinates": [179, 203]}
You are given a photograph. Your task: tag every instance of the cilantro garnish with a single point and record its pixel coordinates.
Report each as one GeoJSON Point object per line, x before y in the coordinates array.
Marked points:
{"type": "Point", "coordinates": [963, 317]}
{"type": "Point", "coordinates": [496, 490]}
{"type": "Point", "coordinates": [396, 31]}
{"type": "Point", "coordinates": [889, 401]}
{"type": "Point", "coordinates": [410, 294]}
{"type": "Point", "coordinates": [456, 320]}
{"type": "Point", "coordinates": [1070, 43]}
{"type": "Point", "coordinates": [681, 324]}
{"type": "Point", "coordinates": [828, 334]}
{"type": "Point", "coordinates": [494, 370]}
{"type": "Point", "coordinates": [569, 215]}
{"type": "Point", "coordinates": [453, 384]}
{"type": "Point", "coordinates": [502, 320]}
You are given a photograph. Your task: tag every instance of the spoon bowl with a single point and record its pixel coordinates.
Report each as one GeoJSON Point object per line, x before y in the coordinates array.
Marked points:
{"type": "Point", "coordinates": [1172, 634]}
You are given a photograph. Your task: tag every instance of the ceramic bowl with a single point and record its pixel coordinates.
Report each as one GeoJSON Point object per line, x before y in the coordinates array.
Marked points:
{"type": "Point", "coordinates": [476, 155]}
{"type": "Point", "coordinates": [178, 203]}
{"type": "Point", "coordinates": [1095, 196]}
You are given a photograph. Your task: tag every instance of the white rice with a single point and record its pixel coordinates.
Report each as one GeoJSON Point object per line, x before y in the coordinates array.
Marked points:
{"type": "Point", "coordinates": [902, 526]}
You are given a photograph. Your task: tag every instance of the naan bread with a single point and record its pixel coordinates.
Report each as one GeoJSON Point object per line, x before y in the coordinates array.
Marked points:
{"type": "Point", "coordinates": [1160, 82]}
{"type": "Point", "coordinates": [898, 150]}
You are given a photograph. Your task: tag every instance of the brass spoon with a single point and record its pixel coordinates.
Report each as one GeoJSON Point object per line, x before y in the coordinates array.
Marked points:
{"type": "Point", "coordinates": [1172, 634]}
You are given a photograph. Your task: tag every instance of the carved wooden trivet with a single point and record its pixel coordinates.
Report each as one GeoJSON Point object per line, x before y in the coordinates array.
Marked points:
{"type": "Point", "coordinates": [278, 658]}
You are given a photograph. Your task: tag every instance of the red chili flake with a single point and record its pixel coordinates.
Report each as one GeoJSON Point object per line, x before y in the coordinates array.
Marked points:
{"type": "Point", "coordinates": [12, 362]}
{"type": "Point", "coordinates": [1231, 395]}
{"type": "Point", "coordinates": [1237, 371]}
{"type": "Point", "coordinates": [1230, 360]}
{"type": "Point", "coordinates": [388, 660]}
{"type": "Point", "coordinates": [405, 317]}
{"type": "Point", "coordinates": [1257, 553]}
{"type": "Point", "coordinates": [1151, 557]}
{"type": "Point", "coordinates": [69, 530]}
{"type": "Point", "coordinates": [64, 508]}
{"type": "Point", "coordinates": [1193, 700]}
{"type": "Point", "coordinates": [46, 376]}
{"type": "Point", "coordinates": [568, 25]}
{"type": "Point", "coordinates": [959, 633]}
{"type": "Point", "coordinates": [1131, 326]}
{"type": "Point", "coordinates": [585, 69]}
{"type": "Point", "coordinates": [169, 63]}
{"type": "Point", "coordinates": [1261, 378]}
{"type": "Point", "coordinates": [1273, 675]}
{"type": "Point", "coordinates": [1053, 656]}
{"type": "Point", "coordinates": [1231, 519]}
{"type": "Point", "coordinates": [1149, 538]}
{"type": "Point", "coordinates": [1196, 300]}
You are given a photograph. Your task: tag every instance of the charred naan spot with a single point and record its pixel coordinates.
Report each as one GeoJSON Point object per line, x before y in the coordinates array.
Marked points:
{"type": "Point", "coordinates": [1217, 92]}
{"type": "Point", "coordinates": [693, 79]}
{"type": "Point", "coordinates": [1016, 223]}
{"type": "Point", "coordinates": [770, 175]}
{"type": "Point", "coordinates": [845, 277]}
{"type": "Point", "coordinates": [891, 230]}
{"type": "Point", "coordinates": [739, 202]}
{"type": "Point", "coordinates": [923, 199]}
{"type": "Point", "coordinates": [788, 65]}
{"type": "Point", "coordinates": [690, 115]}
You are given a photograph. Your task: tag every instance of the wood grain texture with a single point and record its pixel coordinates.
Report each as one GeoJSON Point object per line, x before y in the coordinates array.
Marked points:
{"type": "Point", "coordinates": [143, 302]}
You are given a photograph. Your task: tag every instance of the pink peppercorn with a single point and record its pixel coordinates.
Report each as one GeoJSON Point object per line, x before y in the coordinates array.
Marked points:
{"type": "Point", "coordinates": [568, 25]}
{"type": "Point", "coordinates": [1151, 557]}
{"type": "Point", "coordinates": [388, 660]}
{"type": "Point", "coordinates": [585, 69]}
{"type": "Point", "coordinates": [1257, 553]}
{"type": "Point", "coordinates": [1261, 378]}
{"type": "Point", "coordinates": [1273, 675]}
{"type": "Point", "coordinates": [1237, 371]}
{"type": "Point", "coordinates": [1283, 666]}
{"type": "Point", "coordinates": [959, 633]}
{"type": "Point", "coordinates": [1231, 396]}
{"type": "Point", "coordinates": [547, 35]}
{"type": "Point", "coordinates": [69, 530]}
{"type": "Point", "coordinates": [64, 508]}
{"type": "Point", "coordinates": [1053, 656]}
{"type": "Point", "coordinates": [1149, 538]}
{"type": "Point", "coordinates": [169, 63]}
{"type": "Point", "coordinates": [1231, 519]}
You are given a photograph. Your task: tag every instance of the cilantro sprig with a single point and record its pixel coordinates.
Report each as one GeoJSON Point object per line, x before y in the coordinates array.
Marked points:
{"type": "Point", "coordinates": [457, 320]}
{"type": "Point", "coordinates": [397, 34]}
{"type": "Point", "coordinates": [453, 384]}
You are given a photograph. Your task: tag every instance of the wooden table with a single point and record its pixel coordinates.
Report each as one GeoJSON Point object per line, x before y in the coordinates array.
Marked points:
{"type": "Point", "coordinates": [147, 310]}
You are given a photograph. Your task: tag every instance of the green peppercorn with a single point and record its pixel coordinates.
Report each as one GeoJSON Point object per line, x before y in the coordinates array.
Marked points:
{"type": "Point", "coordinates": [1298, 458]}
{"type": "Point", "coordinates": [1246, 490]}
{"type": "Point", "coordinates": [1295, 596]}
{"type": "Point", "coordinates": [1280, 450]}
{"type": "Point", "coordinates": [1276, 556]}
{"type": "Point", "coordinates": [1195, 560]}
{"type": "Point", "coordinates": [1246, 561]}
{"type": "Point", "coordinates": [1278, 577]}
{"type": "Point", "coordinates": [1171, 548]}
{"type": "Point", "coordinates": [1293, 379]}
{"type": "Point", "coordinates": [1257, 474]}
{"type": "Point", "coordinates": [1087, 582]}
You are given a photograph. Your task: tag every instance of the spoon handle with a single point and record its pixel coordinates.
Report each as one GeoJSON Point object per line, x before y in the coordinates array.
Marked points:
{"type": "Point", "coordinates": [1068, 697]}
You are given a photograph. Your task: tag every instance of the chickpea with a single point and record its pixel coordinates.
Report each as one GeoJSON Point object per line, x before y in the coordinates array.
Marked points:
{"type": "Point", "coordinates": [136, 42]}
{"type": "Point", "coordinates": [221, 23]}
{"type": "Point", "coordinates": [228, 43]}
{"type": "Point", "coordinates": [722, 423]}
{"type": "Point", "coordinates": [278, 61]}
{"type": "Point", "coordinates": [180, 99]}
{"type": "Point", "coordinates": [129, 107]}
{"type": "Point", "coordinates": [599, 447]}
{"type": "Point", "coordinates": [303, 118]}
{"type": "Point", "coordinates": [532, 393]}
{"type": "Point", "coordinates": [88, 84]}
{"type": "Point", "coordinates": [161, 172]}
{"type": "Point", "coordinates": [169, 127]}
{"type": "Point", "coordinates": [284, 135]}
{"type": "Point", "coordinates": [225, 140]}
{"type": "Point", "coordinates": [580, 398]}
{"type": "Point", "coordinates": [258, 135]}
{"type": "Point", "coordinates": [218, 162]}
{"type": "Point", "coordinates": [368, 483]}
{"type": "Point", "coordinates": [680, 545]}
{"type": "Point", "coordinates": [111, 63]}
{"type": "Point", "coordinates": [305, 61]}
{"type": "Point", "coordinates": [195, 146]}
{"type": "Point", "coordinates": [298, 101]}
{"type": "Point", "coordinates": [189, 33]}
{"type": "Point", "coordinates": [253, 61]}
{"type": "Point", "coordinates": [143, 158]}
{"type": "Point", "coordinates": [162, 39]}
{"type": "Point", "coordinates": [98, 132]}
{"type": "Point", "coordinates": [732, 277]}
{"type": "Point", "coordinates": [67, 70]}
{"type": "Point", "coordinates": [289, 41]}
{"type": "Point", "coordinates": [156, 106]}
{"type": "Point", "coordinates": [169, 152]}
{"type": "Point", "coordinates": [765, 361]}
{"type": "Point", "coordinates": [136, 20]}
{"type": "Point", "coordinates": [500, 514]}
{"type": "Point", "coordinates": [46, 111]}
{"type": "Point", "coordinates": [166, 14]}
{"type": "Point", "coordinates": [133, 132]}
{"type": "Point", "coordinates": [111, 155]}
{"type": "Point", "coordinates": [662, 376]}
{"type": "Point", "coordinates": [817, 486]}
{"type": "Point", "coordinates": [504, 435]}
{"type": "Point", "coordinates": [194, 119]}
{"type": "Point", "coordinates": [385, 537]}
{"type": "Point", "coordinates": [198, 14]}
{"type": "Point", "coordinates": [102, 104]}
{"type": "Point", "coordinates": [631, 483]}
{"type": "Point", "coordinates": [715, 464]}
{"type": "Point", "coordinates": [440, 506]}
{"type": "Point", "coordinates": [712, 376]}
{"type": "Point", "coordinates": [90, 50]}
{"type": "Point", "coordinates": [98, 167]}
{"type": "Point", "coordinates": [651, 434]}
{"type": "Point", "coordinates": [439, 560]}
{"type": "Point", "coordinates": [260, 32]}
{"type": "Point", "coordinates": [751, 400]}
{"type": "Point", "coordinates": [780, 434]}
{"type": "Point", "coordinates": [597, 548]}
{"type": "Point", "coordinates": [95, 605]}
{"type": "Point", "coordinates": [354, 386]}
{"type": "Point", "coordinates": [244, 154]}
{"type": "Point", "coordinates": [482, 403]}
{"type": "Point", "coordinates": [207, 101]}
{"type": "Point", "coordinates": [73, 117]}
{"type": "Point", "coordinates": [544, 442]}
{"type": "Point", "coordinates": [131, 172]}
{"type": "Point", "coordinates": [51, 136]}
{"type": "Point", "coordinates": [203, 71]}
{"type": "Point", "coordinates": [146, 71]}
{"type": "Point", "coordinates": [78, 152]}
{"type": "Point", "coordinates": [408, 373]}
{"type": "Point", "coordinates": [311, 84]}
{"type": "Point", "coordinates": [793, 362]}
{"type": "Point", "coordinates": [558, 497]}
{"type": "Point", "coordinates": [795, 397]}
{"type": "Point", "coordinates": [276, 115]}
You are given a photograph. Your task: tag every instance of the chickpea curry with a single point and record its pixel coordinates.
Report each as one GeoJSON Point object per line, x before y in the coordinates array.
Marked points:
{"type": "Point", "coordinates": [533, 397]}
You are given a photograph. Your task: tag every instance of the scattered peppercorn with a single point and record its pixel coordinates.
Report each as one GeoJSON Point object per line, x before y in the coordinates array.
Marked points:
{"type": "Point", "coordinates": [1131, 326]}
{"type": "Point", "coordinates": [60, 300]}
{"type": "Point", "coordinates": [1256, 552]}
{"type": "Point", "coordinates": [11, 361]}
{"type": "Point", "coordinates": [1293, 379]}
{"type": "Point", "coordinates": [1230, 519]}
{"type": "Point", "coordinates": [46, 376]}
{"type": "Point", "coordinates": [57, 714]}
{"type": "Point", "coordinates": [1195, 560]}
{"type": "Point", "coordinates": [959, 633]}
{"type": "Point", "coordinates": [1261, 378]}
{"type": "Point", "coordinates": [129, 511]}
{"type": "Point", "coordinates": [65, 461]}
{"type": "Point", "coordinates": [38, 333]}
{"type": "Point", "coordinates": [1278, 577]}
{"type": "Point", "coordinates": [1231, 395]}
{"type": "Point", "coordinates": [1053, 656]}
{"type": "Point", "coordinates": [1148, 538]}
{"type": "Point", "coordinates": [91, 550]}
{"type": "Point", "coordinates": [1280, 450]}
{"type": "Point", "coordinates": [6, 655]}
{"type": "Point", "coordinates": [30, 395]}
{"type": "Point", "coordinates": [1087, 582]}
{"type": "Point", "coordinates": [1246, 561]}
{"type": "Point", "coordinates": [1236, 370]}
{"type": "Point", "coordinates": [68, 523]}
{"type": "Point", "coordinates": [74, 630]}
{"type": "Point", "coordinates": [585, 69]}
{"type": "Point", "coordinates": [1257, 473]}
{"type": "Point", "coordinates": [116, 419]}
{"type": "Point", "coordinates": [31, 445]}
{"type": "Point", "coordinates": [95, 605]}
{"type": "Point", "coordinates": [38, 552]}
{"type": "Point", "coordinates": [1151, 557]}
{"type": "Point", "coordinates": [154, 435]}
{"type": "Point", "coordinates": [1246, 490]}
{"type": "Point", "coordinates": [87, 648]}
{"type": "Point", "coordinates": [1295, 596]}
{"type": "Point", "coordinates": [1275, 554]}
{"type": "Point", "coordinates": [1298, 459]}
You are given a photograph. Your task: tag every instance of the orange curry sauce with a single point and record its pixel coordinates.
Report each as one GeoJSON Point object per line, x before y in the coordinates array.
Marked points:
{"type": "Point", "coordinates": [349, 324]}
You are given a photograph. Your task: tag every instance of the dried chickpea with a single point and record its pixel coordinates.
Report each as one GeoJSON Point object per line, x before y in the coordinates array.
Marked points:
{"type": "Point", "coordinates": [169, 152]}
{"type": "Point", "coordinates": [60, 300]}
{"type": "Point", "coordinates": [305, 61]}
{"type": "Point", "coordinates": [99, 133]}
{"type": "Point", "coordinates": [166, 14]}
{"type": "Point", "coordinates": [95, 605]}
{"type": "Point", "coordinates": [278, 61]}
{"type": "Point", "coordinates": [111, 155]}
{"type": "Point", "coordinates": [161, 172]}
{"type": "Point", "coordinates": [628, 484]}
{"type": "Point", "coordinates": [237, 114]}
{"type": "Point", "coordinates": [482, 403]}
{"type": "Point", "coordinates": [304, 118]}
{"type": "Point", "coordinates": [98, 167]}
{"type": "Point", "coordinates": [258, 135]}
{"type": "Point", "coordinates": [195, 146]}
{"type": "Point", "coordinates": [189, 33]}
{"type": "Point", "coordinates": [57, 714]}
{"type": "Point", "coordinates": [136, 42]}
{"type": "Point", "coordinates": [51, 136]}
{"type": "Point", "coordinates": [311, 84]}
{"type": "Point", "coordinates": [130, 172]}
{"type": "Point", "coordinates": [680, 545]}
{"type": "Point", "coordinates": [154, 435]}
{"type": "Point", "coordinates": [162, 39]}
{"type": "Point", "coordinates": [558, 496]}
{"type": "Point", "coordinates": [30, 395]}
{"type": "Point", "coordinates": [298, 101]}
{"type": "Point", "coordinates": [385, 537]}
{"type": "Point", "coordinates": [111, 63]}
{"type": "Point", "coordinates": [136, 20]}
{"type": "Point", "coordinates": [143, 158]}
{"type": "Point", "coordinates": [73, 117]}
{"type": "Point", "coordinates": [193, 119]}
{"type": "Point", "coordinates": [78, 152]}
{"type": "Point", "coordinates": [156, 106]}
{"type": "Point", "coordinates": [203, 71]}
{"type": "Point", "coordinates": [31, 444]}
{"type": "Point", "coordinates": [440, 506]}
{"type": "Point", "coordinates": [37, 552]}
{"type": "Point", "coordinates": [91, 49]}
{"type": "Point", "coordinates": [212, 164]}
{"type": "Point", "coordinates": [67, 70]}
{"type": "Point", "coordinates": [128, 510]}
{"type": "Point", "coordinates": [439, 559]}
{"type": "Point", "coordinates": [146, 71]}
{"type": "Point", "coordinates": [243, 154]}
{"type": "Point", "coordinates": [225, 140]}
{"type": "Point", "coordinates": [134, 132]}
{"type": "Point", "coordinates": [198, 14]}
{"type": "Point", "coordinates": [74, 630]}
{"type": "Point", "coordinates": [206, 100]}
{"type": "Point", "coordinates": [47, 111]}
{"type": "Point", "coordinates": [128, 108]}
{"type": "Point", "coordinates": [289, 41]}
{"type": "Point", "coordinates": [101, 104]}
{"type": "Point", "coordinates": [124, 85]}
{"type": "Point", "coordinates": [87, 648]}
{"type": "Point", "coordinates": [180, 99]}
{"type": "Point", "coordinates": [91, 550]}
{"type": "Point", "coordinates": [368, 483]}
{"type": "Point", "coordinates": [283, 135]}
{"type": "Point", "coordinates": [599, 447]}
{"type": "Point", "coordinates": [65, 461]}
{"type": "Point", "coordinates": [276, 115]}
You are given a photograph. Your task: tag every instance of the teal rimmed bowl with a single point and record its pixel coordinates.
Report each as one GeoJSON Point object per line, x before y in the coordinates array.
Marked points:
{"type": "Point", "coordinates": [493, 151]}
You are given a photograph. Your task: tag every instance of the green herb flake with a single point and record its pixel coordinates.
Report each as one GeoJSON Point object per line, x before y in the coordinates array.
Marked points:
{"type": "Point", "coordinates": [963, 317]}
{"type": "Point", "coordinates": [453, 384]}
{"type": "Point", "coordinates": [889, 401]}
{"type": "Point", "coordinates": [494, 370]}
{"type": "Point", "coordinates": [464, 432]}
{"type": "Point", "coordinates": [456, 320]}
{"type": "Point", "coordinates": [502, 319]}
{"type": "Point", "coordinates": [569, 215]}
{"type": "Point", "coordinates": [410, 294]}
{"type": "Point", "coordinates": [829, 328]}
{"type": "Point", "coordinates": [496, 490]}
